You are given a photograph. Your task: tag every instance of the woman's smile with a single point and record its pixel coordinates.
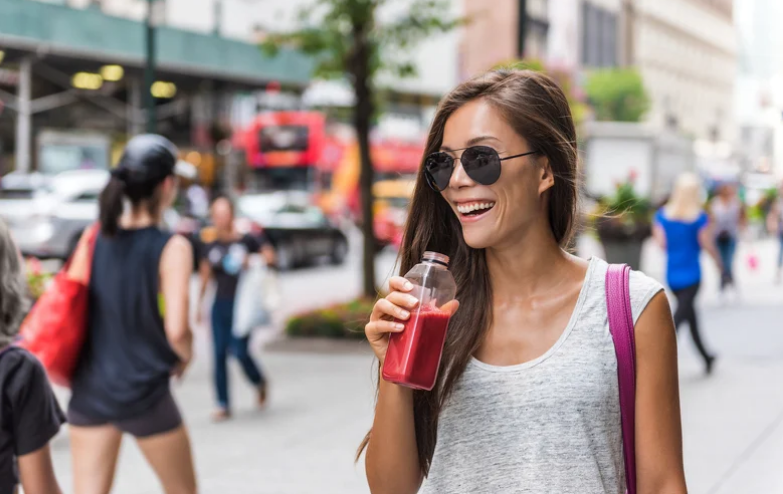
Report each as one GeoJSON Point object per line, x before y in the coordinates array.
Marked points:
{"type": "Point", "coordinates": [471, 211]}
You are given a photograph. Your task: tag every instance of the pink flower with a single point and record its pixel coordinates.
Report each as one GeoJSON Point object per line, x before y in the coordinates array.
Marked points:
{"type": "Point", "coordinates": [34, 266]}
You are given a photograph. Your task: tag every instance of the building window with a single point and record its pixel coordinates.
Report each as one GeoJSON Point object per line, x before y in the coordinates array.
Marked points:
{"type": "Point", "coordinates": [599, 36]}
{"type": "Point", "coordinates": [536, 27]}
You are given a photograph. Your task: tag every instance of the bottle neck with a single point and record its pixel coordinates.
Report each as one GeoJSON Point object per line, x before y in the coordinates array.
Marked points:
{"type": "Point", "coordinates": [435, 264]}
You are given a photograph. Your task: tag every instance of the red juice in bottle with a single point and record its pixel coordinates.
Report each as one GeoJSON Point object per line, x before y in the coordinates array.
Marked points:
{"type": "Point", "coordinates": [414, 354]}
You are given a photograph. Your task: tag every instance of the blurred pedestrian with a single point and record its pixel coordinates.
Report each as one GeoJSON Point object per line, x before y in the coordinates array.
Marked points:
{"type": "Point", "coordinates": [775, 227]}
{"type": "Point", "coordinates": [29, 414]}
{"type": "Point", "coordinates": [225, 256]}
{"type": "Point", "coordinates": [727, 214]}
{"type": "Point", "coordinates": [527, 398]}
{"type": "Point", "coordinates": [138, 335]}
{"type": "Point", "coordinates": [683, 229]}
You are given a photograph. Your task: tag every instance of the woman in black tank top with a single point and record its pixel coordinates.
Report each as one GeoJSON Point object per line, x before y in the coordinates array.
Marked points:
{"type": "Point", "coordinates": [138, 334]}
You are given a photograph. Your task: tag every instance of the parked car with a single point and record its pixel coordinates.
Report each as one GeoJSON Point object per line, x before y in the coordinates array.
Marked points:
{"type": "Point", "coordinates": [299, 231]}
{"type": "Point", "coordinates": [47, 215]}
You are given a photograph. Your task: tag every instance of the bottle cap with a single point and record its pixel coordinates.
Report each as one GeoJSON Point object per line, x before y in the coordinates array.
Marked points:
{"type": "Point", "coordinates": [437, 258]}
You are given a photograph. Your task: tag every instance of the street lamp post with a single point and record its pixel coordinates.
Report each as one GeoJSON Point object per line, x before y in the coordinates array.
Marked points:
{"type": "Point", "coordinates": [522, 28]}
{"type": "Point", "coordinates": [149, 70]}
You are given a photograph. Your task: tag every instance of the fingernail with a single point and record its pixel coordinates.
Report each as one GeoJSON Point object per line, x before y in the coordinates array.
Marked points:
{"type": "Point", "coordinates": [408, 285]}
{"type": "Point", "coordinates": [412, 301]}
{"type": "Point", "coordinates": [399, 326]}
{"type": "Point", "coordinates": [403, 313]}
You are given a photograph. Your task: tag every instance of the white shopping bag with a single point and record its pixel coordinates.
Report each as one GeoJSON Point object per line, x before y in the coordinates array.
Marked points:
{"type": "Point", "coordinates": [257, 296]}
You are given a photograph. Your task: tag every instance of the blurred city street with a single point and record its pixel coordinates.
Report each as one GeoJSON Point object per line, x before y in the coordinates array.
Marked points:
{"type": "Point", "coordinates": [298, 129]}
{"type": "Point", "coordinates": [321, 400]}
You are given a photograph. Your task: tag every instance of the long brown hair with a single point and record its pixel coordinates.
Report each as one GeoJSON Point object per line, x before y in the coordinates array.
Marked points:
{"type": "Point", "coordinates": [537, 109]}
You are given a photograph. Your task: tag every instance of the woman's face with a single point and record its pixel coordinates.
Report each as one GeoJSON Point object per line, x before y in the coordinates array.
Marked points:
{"type": "Point", "coordinates": [727, 192]}
{"type": "Point", "coordinates": [507, 208]}
{"type": "Point", "coordinates": [222, 216]}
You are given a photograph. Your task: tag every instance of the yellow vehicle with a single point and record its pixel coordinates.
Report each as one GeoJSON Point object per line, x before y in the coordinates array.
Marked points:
{"type": "Point", "coordinates": [391, 209]}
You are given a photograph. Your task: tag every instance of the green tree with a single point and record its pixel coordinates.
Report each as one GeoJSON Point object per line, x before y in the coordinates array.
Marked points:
{"type": "Point", "coordinates": [347, 42]}
{"type": "Point", "coordinates": [617, 95]}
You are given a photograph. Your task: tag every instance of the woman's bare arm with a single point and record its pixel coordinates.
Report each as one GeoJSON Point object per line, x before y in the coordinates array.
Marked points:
{"type": "Point", "coordinates": [176, 266]}
{"type": "Point", "coordinates": [659, 463]}
{"type": "Point", "coordinates": [659, 235]}
{"type": "Point", "coordinates": [392, 460]}
{"type": "Point", "coordinates": [37, 473]}
{"type": "Point", "coordinates": [707, 242]}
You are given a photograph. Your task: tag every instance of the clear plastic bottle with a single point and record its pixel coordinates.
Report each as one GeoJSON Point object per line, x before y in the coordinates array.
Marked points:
{"type": "Point", "coordinates": [414, 354]}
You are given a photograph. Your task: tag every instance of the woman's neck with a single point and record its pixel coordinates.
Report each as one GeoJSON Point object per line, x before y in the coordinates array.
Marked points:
{"type": "Point", "coordinates": [226, 234]}
{"type": "Point", "coordinates": [134, 220]}
{"type": "Point", "coordinates": [527, 266]}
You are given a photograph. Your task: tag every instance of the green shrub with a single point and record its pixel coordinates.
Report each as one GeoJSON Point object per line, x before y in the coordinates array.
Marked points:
{"type": "Point", "coordinates": [617, 95]}
{"type": "Point", "coordinates": [345, 320]}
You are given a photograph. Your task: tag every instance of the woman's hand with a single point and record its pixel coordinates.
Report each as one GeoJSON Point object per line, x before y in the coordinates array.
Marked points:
{"type": "Point", "coordinates": [388, 313]}
{"type": "Point", "coordinates": [178, 371]}
{"type": "Point", "coordinates": [199, 315]}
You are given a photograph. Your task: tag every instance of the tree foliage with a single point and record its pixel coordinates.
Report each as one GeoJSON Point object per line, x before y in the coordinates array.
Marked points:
{"type": "Point", "coordinates": [617, 95]}
{"type": "Point", "coordinates": [333, 30]}
{"type": "Point", "coordinates": [347, 41]}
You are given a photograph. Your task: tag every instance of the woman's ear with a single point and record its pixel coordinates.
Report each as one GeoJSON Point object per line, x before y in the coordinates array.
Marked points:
{"type": "Point", "coordinates": [546, 177]}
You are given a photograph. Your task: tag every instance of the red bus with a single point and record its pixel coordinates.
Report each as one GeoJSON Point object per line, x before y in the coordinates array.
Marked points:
{"type": "Point", "coordinates": [301, 150]}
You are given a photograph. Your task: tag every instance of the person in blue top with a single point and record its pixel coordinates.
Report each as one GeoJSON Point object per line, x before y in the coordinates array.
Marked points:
{"type": "Point", "coordinates": [683, 229]}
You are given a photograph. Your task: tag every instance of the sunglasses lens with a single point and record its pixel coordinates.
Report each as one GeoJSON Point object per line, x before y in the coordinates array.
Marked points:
{"type": "Point", "coordinates": [438, 167]}
{"type": "Point", "coordinates": [482, 164]}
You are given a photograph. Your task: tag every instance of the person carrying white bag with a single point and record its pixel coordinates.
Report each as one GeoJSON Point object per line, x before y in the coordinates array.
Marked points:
{"type": "Point", "coordinates": [257, 298]}
{"type": "Point", "coordinates": [226, 259]}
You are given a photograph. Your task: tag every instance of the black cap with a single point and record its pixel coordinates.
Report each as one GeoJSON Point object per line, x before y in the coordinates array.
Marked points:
{"type": "Point", "coordinates": [148, 158]}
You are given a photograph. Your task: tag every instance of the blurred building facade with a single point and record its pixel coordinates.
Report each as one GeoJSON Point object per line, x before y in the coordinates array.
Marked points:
{"type": "Point", "coordinates": [759, 91]}
{"type": "Point", "coordinates": [503, 31]}
{"type": "Point", "coordinates": [686, 52]}
{"type": "Point", "coordinates": [80, 75]}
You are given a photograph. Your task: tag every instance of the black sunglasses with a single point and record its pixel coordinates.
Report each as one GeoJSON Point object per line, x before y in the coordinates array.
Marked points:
{"type": "Point", "coordinates": [481, 163]}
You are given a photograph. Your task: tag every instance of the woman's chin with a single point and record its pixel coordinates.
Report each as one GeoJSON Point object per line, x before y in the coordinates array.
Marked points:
{"type": "Point", "coordinates": [477, 240]}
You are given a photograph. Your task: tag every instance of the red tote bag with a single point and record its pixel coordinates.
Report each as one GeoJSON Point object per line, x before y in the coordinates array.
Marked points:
{"type": "Point", "coordinates": [55, 328]}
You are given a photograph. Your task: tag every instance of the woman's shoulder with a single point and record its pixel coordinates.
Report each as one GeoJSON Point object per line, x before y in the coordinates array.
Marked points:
{"type": "Point", "coordinates": [176, 248]}
{"type": "Point", "coordinates": [18, 367]}
{"type": "Point", "coordinates": [642, 287]}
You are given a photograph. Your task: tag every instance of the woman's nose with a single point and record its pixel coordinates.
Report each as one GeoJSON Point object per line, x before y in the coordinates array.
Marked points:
{"type": "Point", "coordinates": [459, 178]}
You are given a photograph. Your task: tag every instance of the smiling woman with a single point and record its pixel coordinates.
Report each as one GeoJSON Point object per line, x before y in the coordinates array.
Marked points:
{"type": "Point", "coordinates": [526, 398]}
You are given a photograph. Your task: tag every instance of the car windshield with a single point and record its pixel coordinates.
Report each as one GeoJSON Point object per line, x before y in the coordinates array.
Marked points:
{"type": "Point", "coordinates": [17, 193]}
{"type": "Point", "coordinates": [16, 186]}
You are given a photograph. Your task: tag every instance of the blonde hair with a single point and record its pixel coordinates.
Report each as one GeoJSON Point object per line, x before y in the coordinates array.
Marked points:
{"type": "Point", "coordinates": [685, 203]}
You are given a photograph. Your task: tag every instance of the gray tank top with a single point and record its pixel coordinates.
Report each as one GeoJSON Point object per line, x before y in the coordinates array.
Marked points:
{"type": "Point", "coordinates": [548, 425]}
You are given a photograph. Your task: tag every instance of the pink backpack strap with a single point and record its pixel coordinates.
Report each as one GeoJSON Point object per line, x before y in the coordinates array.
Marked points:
{"type": "Point", "coordinates": [618, 305]}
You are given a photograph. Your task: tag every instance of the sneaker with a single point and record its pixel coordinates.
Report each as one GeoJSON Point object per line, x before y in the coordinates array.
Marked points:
{"type": "Point", "coordinates": [221, 415]}
{"type": "Point", "coordinates": [262, 388]}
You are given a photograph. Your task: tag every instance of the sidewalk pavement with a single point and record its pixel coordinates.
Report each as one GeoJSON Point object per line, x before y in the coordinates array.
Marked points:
{"type": "Point", "coordinates": [321, 404]}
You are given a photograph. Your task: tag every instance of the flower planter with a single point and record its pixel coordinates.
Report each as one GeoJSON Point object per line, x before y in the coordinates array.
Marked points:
{"type": "Point", "coordinates": [624, 252]}
{"type": "Point", "coordinates": [623, 240]}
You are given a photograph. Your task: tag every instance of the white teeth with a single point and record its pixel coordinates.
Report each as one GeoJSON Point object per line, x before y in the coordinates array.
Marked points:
{"type": "Point", "coordinates": [475, 207]}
